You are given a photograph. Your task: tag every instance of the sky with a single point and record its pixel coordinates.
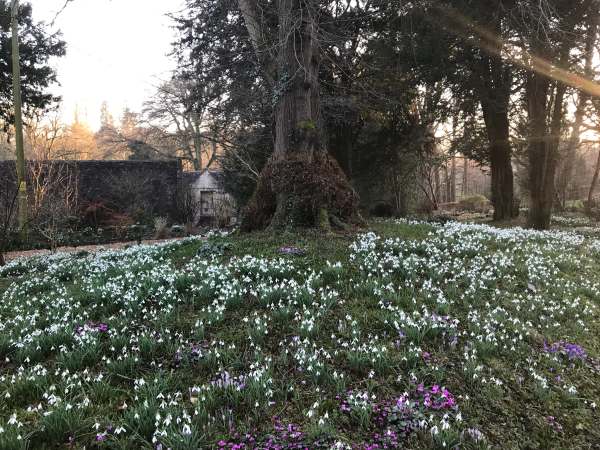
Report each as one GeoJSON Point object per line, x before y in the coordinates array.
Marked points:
{"type": "Point", "coordinates": [117, 51]}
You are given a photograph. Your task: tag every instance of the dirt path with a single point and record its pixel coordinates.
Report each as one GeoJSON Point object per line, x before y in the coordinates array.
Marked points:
{"type": "Point", "coordinates": [88, 248]}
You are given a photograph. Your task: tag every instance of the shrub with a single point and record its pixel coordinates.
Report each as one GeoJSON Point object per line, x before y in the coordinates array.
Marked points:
{"type": "Point", "coordinates": [130, 195]}
{"type": "Point", "coordinates": [178, 230]}
{"type": "Point", "coordinates": [577, 206]}
{"type": "Point", "coordinates": [160, 228]}
{"type": "Point", "coordinates": [188, 208]}
{"type": "Point", "coordinates": [474, 203]}
{"type": "Point", "coordinates": [382, 209]}
{"type": "Point", "coordinates": [224, 211]}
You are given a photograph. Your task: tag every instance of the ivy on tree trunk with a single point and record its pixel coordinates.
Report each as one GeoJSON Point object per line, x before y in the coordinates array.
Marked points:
{"type": "Point", "coordinates": [301, 185]}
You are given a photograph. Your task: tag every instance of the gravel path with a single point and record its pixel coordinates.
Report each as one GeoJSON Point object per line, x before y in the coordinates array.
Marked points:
{"type": "Point", "coordinates": [88, 248]}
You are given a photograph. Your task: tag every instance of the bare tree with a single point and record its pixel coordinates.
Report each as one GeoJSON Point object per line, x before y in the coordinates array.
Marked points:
{"type": "Point", "coordinates": [54, 200]}
{"type": "Point", "coordinates": [178, 117]}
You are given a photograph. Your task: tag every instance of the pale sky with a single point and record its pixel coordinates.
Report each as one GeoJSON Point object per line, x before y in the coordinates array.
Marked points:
{"type": "Point", "coordinates": [117, 50]}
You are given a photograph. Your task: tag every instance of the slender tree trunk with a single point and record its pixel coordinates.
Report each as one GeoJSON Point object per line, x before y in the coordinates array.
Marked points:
{"type": "Point", "coordinates": [453, 180]}
{"type": "Point", "coordinates": [465, 180]}
{"type": "Point", "coordinates": [590, 198]}
{"type": "Point", "coordinates": [448, 184]}
{"type": "Point", "coordinates": [438, 186]}
{"type": "Point", "coordinates": [583, 100]}
{"type": "Point", "coordinates": [197, 151]}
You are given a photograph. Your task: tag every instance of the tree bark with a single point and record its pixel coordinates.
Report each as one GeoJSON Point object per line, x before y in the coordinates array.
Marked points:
{"type": "Point", "coordinates": [546, 111]}
{"type": "Point", "coordinates": [543, 146]}
{"type": "Point", "coordinates": [498, 131]}
{"type": "Point", "coordinates": [494, 83]}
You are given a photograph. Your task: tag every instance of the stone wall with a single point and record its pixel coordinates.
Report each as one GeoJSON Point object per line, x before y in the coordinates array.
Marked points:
{"type": "Point", "coordinates": [151, 185]}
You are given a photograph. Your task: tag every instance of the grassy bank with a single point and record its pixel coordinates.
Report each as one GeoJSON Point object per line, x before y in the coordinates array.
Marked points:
{"type": "Point", "coordinates": [409, 335]}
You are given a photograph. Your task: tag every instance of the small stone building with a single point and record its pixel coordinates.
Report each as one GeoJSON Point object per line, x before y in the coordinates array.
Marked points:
{"type": "Point", "coordinates": [215, 206]}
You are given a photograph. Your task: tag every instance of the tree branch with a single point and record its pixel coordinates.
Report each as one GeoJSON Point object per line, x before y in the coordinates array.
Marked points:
{"type": "Point", "coordinates": [249, 9]}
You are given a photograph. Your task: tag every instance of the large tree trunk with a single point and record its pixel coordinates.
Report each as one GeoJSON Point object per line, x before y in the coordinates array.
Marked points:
{"type": "Point", "coordinates": [494, 86]}
{"type": "Point", "coordinates": [498, 130]}
{"type": "Point", "coordinates": [301, 185]}
{"type": "Point", "coordinates": [543, 146]}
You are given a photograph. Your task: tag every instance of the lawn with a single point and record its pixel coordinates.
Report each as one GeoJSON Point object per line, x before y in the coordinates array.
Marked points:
{"type": "Point", "coordinates": [410, 335]}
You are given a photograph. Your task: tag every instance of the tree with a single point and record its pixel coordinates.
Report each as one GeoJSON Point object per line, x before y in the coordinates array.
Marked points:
{"type": "Point", "coordinates": [583, 99]}
{"type": "Point", "coordinates": [43, 137]}
{"type": "Point", "coordinates": [106, 118]}
{"type": "Point", "coordinates": [178, 118]}
{"type": "Point", "coordinates": [546, 51]}
{"type": "Point", "coordinates": [302, 184]}
{"type": "Point", "coordinates": [266, 58]}
{"type": "Point", "coordinates": [464, 41]}
{"type": "Point", "coordinates": [109, 139]}
{"type": "Point", "coordinates": [37, 46]}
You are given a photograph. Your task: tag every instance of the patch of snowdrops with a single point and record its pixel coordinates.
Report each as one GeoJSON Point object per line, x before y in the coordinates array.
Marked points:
{"type": "Point", "coordinates": [140, 348]}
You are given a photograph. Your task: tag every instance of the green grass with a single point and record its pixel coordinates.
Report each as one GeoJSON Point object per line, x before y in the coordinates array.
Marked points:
{"type": "Point", "coordinates": [158, 344]}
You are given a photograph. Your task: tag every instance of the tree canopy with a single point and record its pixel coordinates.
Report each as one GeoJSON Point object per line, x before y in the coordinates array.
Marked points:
{"type": "Point", "coordinates": [37, 45]}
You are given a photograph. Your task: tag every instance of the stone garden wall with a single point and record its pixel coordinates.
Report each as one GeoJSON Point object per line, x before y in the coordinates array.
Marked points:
{"type": "Point", "coordinates": [121, 185]}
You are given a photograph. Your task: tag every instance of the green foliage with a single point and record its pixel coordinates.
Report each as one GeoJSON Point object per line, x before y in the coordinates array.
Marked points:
{"type": "Point", "coordinates": [474, 203]}
{"type": "Point", "coordinates": [212, 249]}
{"type": "Point", "coordinates": [37, 46]}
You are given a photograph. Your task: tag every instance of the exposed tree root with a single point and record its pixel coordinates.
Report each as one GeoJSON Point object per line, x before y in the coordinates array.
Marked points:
{"type": "Point", "coordinates": [300, 193]}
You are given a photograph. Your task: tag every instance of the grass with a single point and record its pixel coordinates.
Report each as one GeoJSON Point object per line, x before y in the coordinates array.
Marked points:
{"type": "Point", "coordinates": [413, 335]}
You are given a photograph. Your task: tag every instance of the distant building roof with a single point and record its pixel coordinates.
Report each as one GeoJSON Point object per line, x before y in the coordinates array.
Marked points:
{"type": "Point", "coordinates": [207, 177]}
